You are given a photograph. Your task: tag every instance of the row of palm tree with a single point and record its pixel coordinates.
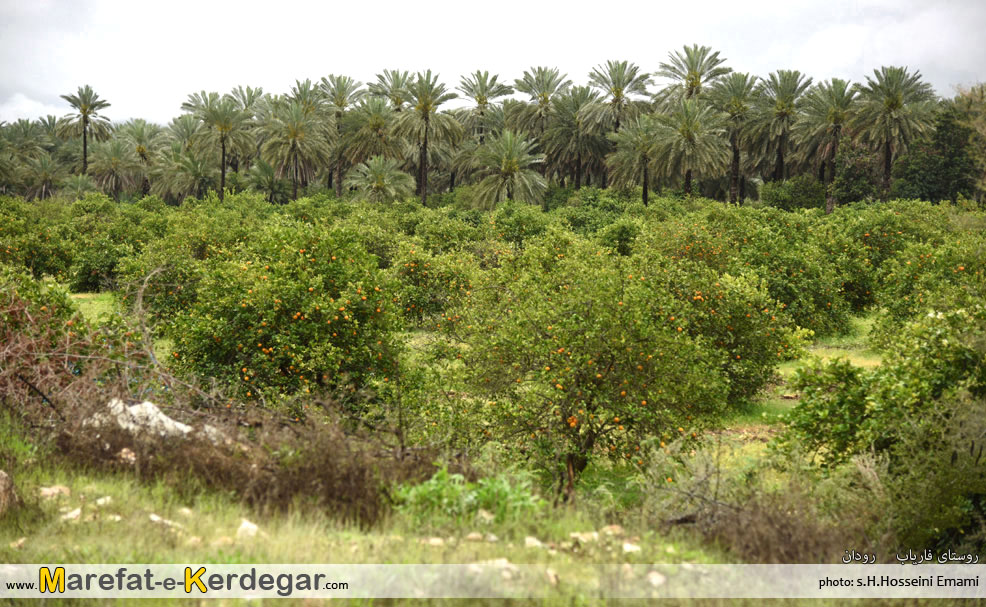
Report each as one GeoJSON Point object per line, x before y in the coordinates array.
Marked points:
{"type": "Point", "coordinates": [707, 124]}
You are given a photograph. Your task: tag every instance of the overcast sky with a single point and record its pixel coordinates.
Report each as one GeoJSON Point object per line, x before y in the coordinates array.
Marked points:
{"type": "Point", "coordinates": [146, 57]}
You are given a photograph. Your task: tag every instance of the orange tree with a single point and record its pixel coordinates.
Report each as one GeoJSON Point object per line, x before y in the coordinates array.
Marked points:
{"type": "Point", "coordinates": [296, 307]}
{"type": "Point", "coordinates": [578, 350]}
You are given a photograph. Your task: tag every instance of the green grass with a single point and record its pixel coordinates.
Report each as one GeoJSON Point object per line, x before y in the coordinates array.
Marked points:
{"type": "Point", "coordinates": [96, 307]}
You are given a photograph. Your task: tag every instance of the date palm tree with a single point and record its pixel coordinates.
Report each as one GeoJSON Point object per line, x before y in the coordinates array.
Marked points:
{"type": "Point", "coordinates": [393, 86]}
{"type": "Point", "coordinates": [484, 90]}
{"type": "Point", "coordinates": [40, 175]}
{"type": "Point", "coordinates": [691, 139]}
{"type": "Point", "coordinates": [183, 171]}
{"type": "Point", "coordinates": [506, 161]}
{"type": "Point", "coordinates": [618, 82]}
{"type": "Point", "coordinates": [144, 139]}
{"type": "Point", "coordinates": [225, 126]}
{"type": "Point", "coordinates": [296, 140]}
{"type": "Point", "coordinates": [573, 139]}
{"type": "Point", "coordinates": [691, 71]}
{"type": "Point", "coordinates": [895, 107]}
{"type": "Point", "coordinates": [423, 123]}
{"type": "Point", "coordinates": [380, 179]}
{"type": "Point", "coordinates": [541, 85]}
{"type": "Point", "coordinates": [85, 119]}
{"type": "Point", "coordinates": [828, 108]}
{"type": "Point", "coordinates": [734, 95]}
{"type": "Point", "coordinates": [341, 94]}
{"type": "Point", "coordinates": [634, 159]}
{"type": "Point", "coordinates": [779, 105]}
{"type": "Point", "coordinates": [77, 186]}
{"type": "Point", "coordinates": [263, 178]}
{"type": "Point", "coordinates": [374, 133]}
{"type": "Point", "coordinates": [114, 166]}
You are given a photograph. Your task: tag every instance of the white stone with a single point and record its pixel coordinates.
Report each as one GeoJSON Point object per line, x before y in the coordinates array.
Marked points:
{"type": "Point", "coordinates": [629, 548]}
{"type": "Point", "coordinates": [73, 515]}
{"type": "Point", "coordinates": [246, 530]}
{"type": "Point", "coordinates": [655, 579]}
{"type": "Point", "coordinates": [104, 501]}
{"type": "Point", "coordinates": [612, 530]}
{"type": "Point", "coordinates": [475, 536]}
{"type": "Point", "coordinates": [54, 491]}
{"type": "Point", "coordinates": [532, 542]}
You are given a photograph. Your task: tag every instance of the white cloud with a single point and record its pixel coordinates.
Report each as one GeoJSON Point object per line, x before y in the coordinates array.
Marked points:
{"type": "Point", "coordinates": [20, 106]}
{"type": "Point", "coordinates": [145, 58]}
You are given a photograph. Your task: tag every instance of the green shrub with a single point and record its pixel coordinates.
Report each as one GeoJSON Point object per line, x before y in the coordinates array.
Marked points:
{"type": "Point", "coordinates": [516, 222]}
{"type": "Point", "coordinates": [295, 308]}
{"type": "Point", "coordinates": [801, 192]}
{"type": "Point", "coordinates": [427, 285]}
{"type": "Point", "coordinates": [571, 355]}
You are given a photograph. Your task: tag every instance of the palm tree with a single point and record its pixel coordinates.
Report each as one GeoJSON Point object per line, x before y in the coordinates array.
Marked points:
{"type": "Point", "coordinates": [380, 179]}
{"type": "Point", "coordinates": [484, 91]}
{"type": "Point", "coordinates": [114, 165]}
{"type": "Point", "coordinates": [183, 171]}
{"type": "Point", "coordinates": [374, 131]}
{"type": "Point", "coordinates": [573, 139]}
{"type": "Point", "coordinates": [505, 161]}
{"type": "Point", "coordinates": [691, 72]}
{"type": "Point", "coordinates": [40, 176]}
{"type": "Point", "coordinates": [145, 139]}
{"type": "Point", "coordinates": [77, 186]}
{"type": "Point", "coordinates": [734, 95]}
{"type": "Point", "coordinates": [636, 153]}
{"type": "Point", "coordinates": [424, 122]}
{"type": "Point", "coordinates": [392, 85]}
{"type": "Point", "coordinates": [184, 129]}
{"type": "Point", "coordinates": [263, 178]}
{"type": "Point", "coordinates": [618, 81]}
{"type": "Point", "coordinates": [86, 119]}
{"type": "Point", "coordinates": [828, 107]}
{"type": "Point", "coordinates": [298, 139]}
{"type": "Point", "coordinates": [691, 139]}
{"type": "Point", "coordinates": [226, 125]}
{"type": "Point", "coordinates": [896, 106]}
{"type": "Point", "coordinates": [541, 84]}
{"type": "Point", "coordinates": [779, 103]}
{"type": "Point", "coordinates": [341, 93]}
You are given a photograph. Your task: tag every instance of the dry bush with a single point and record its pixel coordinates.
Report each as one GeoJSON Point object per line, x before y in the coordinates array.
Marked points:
{"type": "Point", "coordinates": [57, 372]}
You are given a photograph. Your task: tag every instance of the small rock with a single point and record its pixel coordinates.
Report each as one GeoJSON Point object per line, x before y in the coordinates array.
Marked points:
{"type": "Point", "coordinates": [163, 521]}
{"type": "Point", "coordinates": [629, 548]}
{"type": "Point", "coordinates": [73, 515]}
{"type": "Point", "coordinates": [185, 511]}
{"type": "Point", "coordinates": [127, 456]}
{"type": "Point", "coordinates": [584, 537]}
{"type": "Point", "coordinates": [475, 536]}
{"type": "Point", "coordinates": [790, 396]}
{"type": "Point", "coordinates": [655, 579]}
{"type": "Point", "coordinates": [612, 530]}
{"type": "Point", "coordinates": [532, 542]}
{"type": "Point", "coordinates": [54, 491]}
{"type": "Point", "coordinates": [103, 501]}
{"type": "Point", "coordinates": [221, 542]}
{"type": "Point", "coordinates": [437, 542]}
{"type": "Point", "coordinates": [492, 538]}
{"type": "Point", "coordinates": [485, 516]}
{"type": "Point", "coordinates": [18, 544]}
{"type": "Point", "coordinates": [114, 518]}
{"type": "Point", "coordinates": [552, 576]}
{"type": "Point", "coordinates": [193, 541]}
{"type": "Point", "coordinates": [8, 496]}
{"type": "Point", "coordinates": [670, 550]}
{"type": "Point", "coordinates": [246, 530]}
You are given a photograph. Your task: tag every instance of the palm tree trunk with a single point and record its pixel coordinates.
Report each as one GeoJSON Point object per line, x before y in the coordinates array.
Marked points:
{"type": "Point", "coordinates": [451, 181]}
{"type": "Point", "coordinates": [779, 165]}
{"type": "Point", "coordinates": [734, 171]}
{"type": "Point", "coordinates": [742, 188]}
{"type": "Point", "coordinates": [85, 145]}
{"type": "Point", "coordinates": [887, 165]}
{"type": "Point", "coordinates": [294, 177]}
{"type": "Point", "coordinates": [578, 171]}
{"type": "Point", "coordinates": [222, 170]}
{"type": "Point", "coordinates": [688, 182]}
{"type": "Point", "coordinates": [646, 182]}
{"type": "Point", "coordinates": [424, 165]}
{"type": "Point", "coordinates": [338, 177]}
{"type": "Point", "coordinates": [829, 198]}
{"type": "Point", "coordinates": [821, 172]}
